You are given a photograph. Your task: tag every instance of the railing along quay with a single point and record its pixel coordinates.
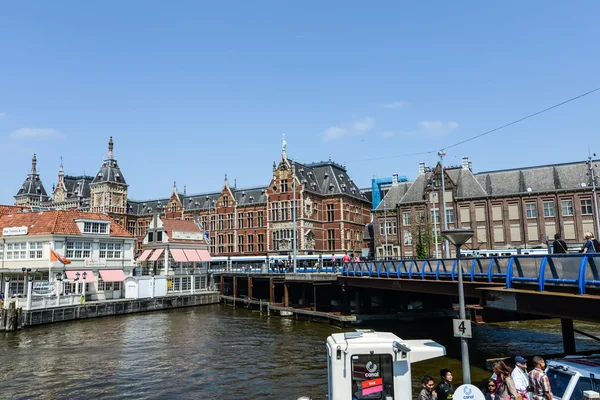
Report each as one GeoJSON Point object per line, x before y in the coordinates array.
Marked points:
{"type": "Point", "coordinates": [580, 270]}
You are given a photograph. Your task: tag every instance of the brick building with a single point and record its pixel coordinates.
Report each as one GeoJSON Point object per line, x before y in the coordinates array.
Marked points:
{"type": "Point", "coordinates": [513, 208]}
{"type": "Point", "coordinates": [331, 210]}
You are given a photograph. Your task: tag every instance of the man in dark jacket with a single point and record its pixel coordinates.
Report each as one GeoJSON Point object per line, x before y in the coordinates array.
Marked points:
{"type": "Point", "coordinates": [559, 246]}
{"type": "Point", "coordinates": [444, 389]}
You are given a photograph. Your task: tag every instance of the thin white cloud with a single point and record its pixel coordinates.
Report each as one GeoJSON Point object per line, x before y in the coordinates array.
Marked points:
{"type": "Point", "coordinates": [27, 133]}
{"type": "Point", "coordinates": [437, 128]}
{"type": "Point", "coordinates": [395, 105]}
{"type": "Point", "coordinates": [333, 133]}
{"type": "Point", "coordinates": [363, 125]}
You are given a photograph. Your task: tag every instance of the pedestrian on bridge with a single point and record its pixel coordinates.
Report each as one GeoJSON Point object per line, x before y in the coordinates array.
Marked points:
{"type": "Point", "coordinates": [589, 247]}
{"type": "Point", "coordinates": [559, 246]}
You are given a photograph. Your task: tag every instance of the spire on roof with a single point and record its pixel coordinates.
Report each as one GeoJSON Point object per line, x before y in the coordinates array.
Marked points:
{"type": "Point", "coordinates": [174, 187]}
{"type": "Point", "coordinates": [110, 148]}
{"type": "Point", "coordinates": [34, 165]}
{"type": "Point", "coordinates": [226, 182]}
{"type": "Point", "coordinates": [283, 148]}
{"type": "Point", "coordinates": [61, 170]}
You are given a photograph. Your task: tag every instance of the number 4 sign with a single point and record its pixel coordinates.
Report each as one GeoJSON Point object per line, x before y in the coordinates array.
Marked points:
{"type": "Point", "coordinates": [462, 328]}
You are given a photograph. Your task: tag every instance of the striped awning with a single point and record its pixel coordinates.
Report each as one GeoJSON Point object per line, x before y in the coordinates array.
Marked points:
{"type": "Point", "coordinates": [178, 255]}
{"type": "Point", "coordinates": [144, 255]}
{"type": "Point", "coordinates": [156, 255]}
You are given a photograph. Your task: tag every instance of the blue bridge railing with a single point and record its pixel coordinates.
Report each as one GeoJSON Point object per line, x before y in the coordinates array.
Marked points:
{"type": "Point", "coordinates": [578, 270]}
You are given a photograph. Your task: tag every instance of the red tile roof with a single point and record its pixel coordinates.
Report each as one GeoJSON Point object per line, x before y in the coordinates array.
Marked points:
{"type": "Point", "coordinates": [58, 222]}
{"type": "Point", "coordinates": [10, 209]}
{"type": "Point", "coordinates": [180, 225]}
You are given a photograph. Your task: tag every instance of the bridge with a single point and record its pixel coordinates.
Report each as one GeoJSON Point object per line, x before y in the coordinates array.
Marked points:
{"type": "Point", "coordinates": [565, 286]}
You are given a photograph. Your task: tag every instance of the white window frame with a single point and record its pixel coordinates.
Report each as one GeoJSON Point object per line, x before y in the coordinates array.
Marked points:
{"type": "Point", "coordinates": [549, 209]}
{"type": "Point", "coordinates": [586, 207]}
{"type": "Point", "coordinates": [95, 227]}
{"type": "Point", "coordinates": [78, 250]}
{"type": "Point", "coordinates": [35, 250]}
{"type": "Point", "coordinates": [110, 250]}
{"type": "Point", "coordinates": [406, 218]}
{"type": "Point", "coordinates": [531, 210]}
{"type": "Point", "coordinates": [568, 206]}
{"type": "Point", "coordinates": [1, 251]}
{"type": "Point", "coordinates": [450, 215]}
{"type": "Point", "coordinates": [408, 238]}
{"type": "Point", "coordinates": [16, 251]}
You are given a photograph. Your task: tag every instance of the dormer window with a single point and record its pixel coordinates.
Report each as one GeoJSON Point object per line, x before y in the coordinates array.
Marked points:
{"type": "Point", "coordinates": [226, 201]}
{"type": "Point", "coordinates": [95, 227]}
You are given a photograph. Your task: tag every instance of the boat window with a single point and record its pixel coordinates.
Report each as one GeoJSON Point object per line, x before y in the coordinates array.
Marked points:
{"type": "Point", "coordinates": [559, 380]}
{"type": "Point", "coordinates": [583, 384]}
{"type": "Point", "coordinates": [372, 377]}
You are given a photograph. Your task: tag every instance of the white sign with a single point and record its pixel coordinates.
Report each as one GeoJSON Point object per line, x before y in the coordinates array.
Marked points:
{"type": "Point", "coordinates": [462, 328]}
{"type": "Point", "coordinates": [468, 392]}
{"type": "Point", "coordinates": [187, 235]}
{"type": "Point", "coordinates": [95, 262]}
{"type": "Point", "coordinates": [14, 231]}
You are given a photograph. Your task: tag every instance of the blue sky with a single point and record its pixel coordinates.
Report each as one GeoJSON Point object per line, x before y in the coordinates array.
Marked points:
{"type": "Point", "coordinates": [193, 90]}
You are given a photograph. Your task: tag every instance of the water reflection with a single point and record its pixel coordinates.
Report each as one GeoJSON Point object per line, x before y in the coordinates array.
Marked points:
{"type": "Point", "coordinates": [218, 352]}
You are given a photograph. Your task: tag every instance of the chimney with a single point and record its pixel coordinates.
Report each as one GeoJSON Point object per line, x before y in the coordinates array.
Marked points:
{"type": "Point", "coordinates": [394, 179]}
{"type": "Point", "coordinates": [421, 168]}
{"type": "Point", "coordinates": [466, 164]}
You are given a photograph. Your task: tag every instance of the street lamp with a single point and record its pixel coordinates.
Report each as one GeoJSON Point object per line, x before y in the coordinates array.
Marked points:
{"type": "Point", "coordinates": [83, 288]}
{"type": "Point", "coordinates": [442, 153]}
{"type": "Point", "coordinates": [29, 289]}
{"type": "Point", "coordinates": [458, 237]}
{"type": "Point", "coordinates": [76, 280]}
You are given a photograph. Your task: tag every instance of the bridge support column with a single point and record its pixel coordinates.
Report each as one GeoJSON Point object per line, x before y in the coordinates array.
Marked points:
{"type": "Point", "coordinates": [286, 295]}
{"type": "Point", "coordinates": [234, 286]}
{"type": "Point", "coordinates": [250, 288]}
{"type": "Point", "coordinates": [568, 335]}
{"type": "Point", "coordinates": [357, 303]}
{"type": "Point", "coordinates": [271, 291]}
{"type": "Point", "coordinates": [315, 295]}
{"type": "Point", "coordinates": [222, 285]}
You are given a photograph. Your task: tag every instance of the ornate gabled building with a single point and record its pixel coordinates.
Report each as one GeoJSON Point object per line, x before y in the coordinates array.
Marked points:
{"type": "Point", "coordinates": [32, 192]}
{"type": "Point", "coordinates": [331, 211]}
{"type": "Point", "coordinates": [515, 208]}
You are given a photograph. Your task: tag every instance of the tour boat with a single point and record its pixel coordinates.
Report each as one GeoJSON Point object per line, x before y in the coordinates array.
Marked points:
{"type": "Point", "coordinates": [571, 376]}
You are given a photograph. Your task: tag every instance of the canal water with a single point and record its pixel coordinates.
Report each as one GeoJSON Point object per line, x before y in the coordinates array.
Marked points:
{"type": "Point", "coordinates": [220, 352]}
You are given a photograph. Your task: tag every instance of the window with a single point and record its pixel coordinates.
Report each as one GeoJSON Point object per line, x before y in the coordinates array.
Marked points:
{"type": "Point", "coordinates": [16, 251]}
{"type": "Point", "coordinates": [275, 212]}
{"type": "Point", "coordinates": [240, 243]}
{"type": "Point", "coordinates": [586, 206]}
{"type": "Point", "coordinates": [150, 237]}
{"type": "Point", "coordinates": [106, 286]}
{"type": "Point", "coordinates": [407, 237]}
{"type": "Point", "coordinates": [241, 221]}
{"type": "Point", "coordinates": [435, 216]}
{"type": "Point", "coordinates": [35, 250]}
{"type": "Point", "coordinates": [284, 185]}
{"type": "Point", "coordinates": [1, 251]}
{"type": "Point", "coordinates": [173, 207]}
{"type": "Point", "coordinates": [79, 249]}
{"type": "Point", "coordinates": [330, 237]}
{"type": "Point", "coordinates": [221, 222]}
{"type": "Point", "coordinates": [250, 243]}
{"type": "Point", "coordinates": [229, 221]}
{"type": "Point", "coordinates": [567, 207]}
{"type": "Point", "coordinates": [531, 210]}
{"type": "Point", "coordinates": [450, 215]}
{"type": "Point", "coordinates": [390, 228]}
{"type": "Point", "coordinates": [250, 220]}
{"type": "Point", "coordinates": [381, 231]}
{"type": "Point", "coordinates": [226, 201]}
{"type": "Point", "coordinates": [110, 250]}
{"type": "Point", "coordinates": [548, 209]}
{"type": "Point", "coordinates": [212, 223]}
{"type": "Point", "coordinates": [365, 368]}
{"type": "Point", "coordinates": [95, 227]}
{"type": "Point", "coordinates": [159, 236]}
{"type": "Point", "coordinates": [261, 219]}
{"type": "Point", "coordinates": [406, 218]}
{"type": "Point", "coordinates": [261, 242]}
{"type": "Point", "coordinates": [330, 212]}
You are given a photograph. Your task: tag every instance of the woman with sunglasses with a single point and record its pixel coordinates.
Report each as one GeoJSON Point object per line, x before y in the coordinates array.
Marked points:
{"type": "Point", "coordinates": [490, 390]}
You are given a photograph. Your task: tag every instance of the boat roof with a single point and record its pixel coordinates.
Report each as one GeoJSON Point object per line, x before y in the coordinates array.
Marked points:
{"type": "Point", "coordinates": [366, 336]}
{"type": "Point", "coordinates": [585, 365]}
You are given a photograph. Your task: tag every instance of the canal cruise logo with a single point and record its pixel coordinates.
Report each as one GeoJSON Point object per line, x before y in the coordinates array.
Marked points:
{"type": "Point", "coordinates": [372, 370]}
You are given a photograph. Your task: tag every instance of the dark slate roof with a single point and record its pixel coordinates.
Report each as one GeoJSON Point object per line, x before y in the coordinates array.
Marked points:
{"type": "Point", "coordinates": [368, 193]}
{"type": "Point", "coordinates": [249, 196]}
{"type": "Point", "coordinates": [394, 195]}
{"type": "Point", "coordinates": [32, 187]}
{"type": "Point", "coordinates": [467, 185]}
{"type": "Point", "coordinates": [109, 172]}
{"type": "Point", "coordinates": [328, 178]}
{"type": "Point", "coordinates": [146, 207]}
{"type": "Point", "coordinates": [416, 191]}
{"type": "Point", "coordinates": [78, 186]}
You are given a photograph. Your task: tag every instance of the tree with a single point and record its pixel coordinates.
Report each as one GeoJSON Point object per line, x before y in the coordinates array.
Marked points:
{"type": "Point", "coordinates": [423, 238]}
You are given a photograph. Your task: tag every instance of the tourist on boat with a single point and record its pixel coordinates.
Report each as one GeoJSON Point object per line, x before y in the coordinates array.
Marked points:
{"type": "Point", "coordinates": [444, 389]}
{"type": "Point", "coordinates": [559, 246]}
{"type": "Point", "coordinates": [538, 380]}
{"type": "Point", "coordinates": [520, 377]}
{"type": "Point", "coordinates": [428, 392]}
{"type": "Point", "coordinates": [489, 391]}
{"type": "Point", "coordinates": [507, 385]}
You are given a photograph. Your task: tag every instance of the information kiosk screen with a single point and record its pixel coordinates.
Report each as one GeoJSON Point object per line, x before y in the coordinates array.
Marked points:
{"type": "Point", "coordinates": [372, 377]}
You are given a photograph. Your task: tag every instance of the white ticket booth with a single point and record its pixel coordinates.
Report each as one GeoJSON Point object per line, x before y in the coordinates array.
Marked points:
{"type": "Point", "coordinates": [374, 365]}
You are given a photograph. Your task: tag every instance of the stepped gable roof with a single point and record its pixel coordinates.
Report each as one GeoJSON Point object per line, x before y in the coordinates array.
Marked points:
{"type": "Point", "coordinates": [78, 186]}
{"type": "Point", "coordinates": [33, 187]}
{"type": "Point", "coordinates": [545, 178]}
{"type": "Point", "coordinates": [249, 196]}
{"type": "Point", "coordinates": [110, 171]}
{"type": "Point", "coordinates": [329, 178]}
{"type": "Point", "coordinates": [57, 222]}
{"type": "Point", "coordinates": [393, 196]}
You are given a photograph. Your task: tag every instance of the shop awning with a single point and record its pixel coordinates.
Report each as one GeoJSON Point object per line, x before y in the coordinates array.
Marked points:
{"type": "Point", "coordinates": [156, 255]}
{"type": "Point", "coordinates": [145, 255]}
{"type": "Point", "coordinates": [112, 275]}
{"type": "Point", "coordinates": [178, 255]}
{"type": "Point", "coordinates": [192, 255]}
{"type": "Point", "coordinates": [89, 277]}
{"type": "Point", "coordinates": [204, 255]}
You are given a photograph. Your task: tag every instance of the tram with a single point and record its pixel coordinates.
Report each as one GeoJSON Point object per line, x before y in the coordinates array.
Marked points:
{"type": "Point", "coordinates": [304, 263]}
{"type": "Point", "coordinates": [501, 252]}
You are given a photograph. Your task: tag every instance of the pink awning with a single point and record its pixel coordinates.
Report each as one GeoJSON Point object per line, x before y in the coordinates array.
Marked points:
{"type": "Point", "coordinates": [145, 255]}
{"type": "Point", "coordinates": [204, 255]}
{"type": "Point", "coordinates": [178, 255]}
{"type": "Point", "coordinates": [192, 255]}
{"type": "Point", "coordinates": [112, 275]}
{"type": "Point", "coordinates": [89, 277]}
{"type": "Point", "coordinates": [156, 255]}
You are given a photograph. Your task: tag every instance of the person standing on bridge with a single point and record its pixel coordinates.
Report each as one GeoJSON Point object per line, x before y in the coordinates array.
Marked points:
{"type": "Point", "coordinates": [444, 389]}
{"type": "Point", "coordinates": [588, 247]}
{"type": "Point", "coordinates": [520, 377]}
{"type": "Point", "coordinates": [559, 246]}
{"type": "Point", "coordinates": [538, 380]}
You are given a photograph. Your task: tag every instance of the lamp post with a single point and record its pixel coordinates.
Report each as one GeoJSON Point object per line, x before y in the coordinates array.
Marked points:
{"type": "Point", "coordinates": [458, 237]}
{"type": "Point", "coordinates": [76, 280]}
{"type": "Point", "coordinates": [592, 174]}
{"type": "Point", "coordinates": [29, 290]}
{"type": "Point", "coordinates": [83, 288]}
{"type": "Point", "coordinates": [294, 236]}
{"type": "Point", "coordinates": [6, 289]}
{"type": "Point", "coordinates": [58, 287]}
{"type": "Point", "coordinates": [442, 153]}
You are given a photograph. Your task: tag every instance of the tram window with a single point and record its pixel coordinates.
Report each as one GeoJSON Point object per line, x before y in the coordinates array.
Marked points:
{"type": "Point", "coordinates": [372, 377]}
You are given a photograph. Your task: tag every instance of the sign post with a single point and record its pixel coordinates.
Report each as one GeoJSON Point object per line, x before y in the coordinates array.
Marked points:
{"type": "Point", "coordinates": [462, 328]}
